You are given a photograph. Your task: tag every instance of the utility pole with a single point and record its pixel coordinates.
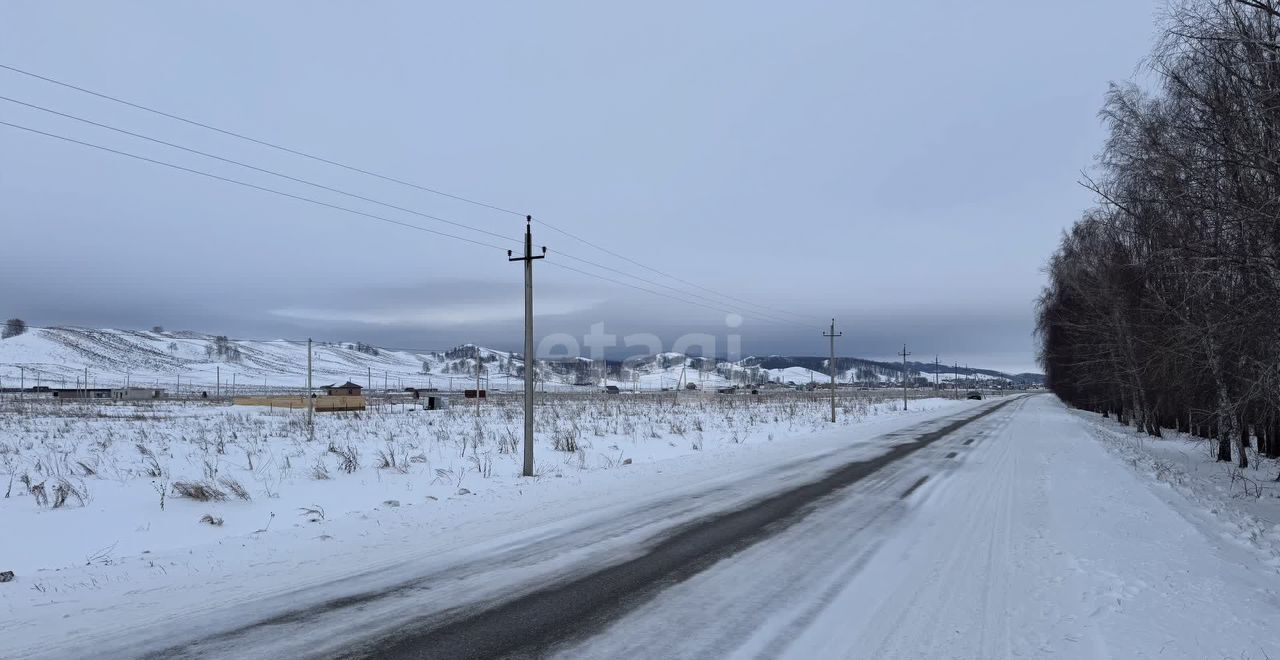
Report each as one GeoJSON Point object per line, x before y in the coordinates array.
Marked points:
{"type": "Point", "coordinates": [311, 404]}
{"type": "Point", "coordinates": [955, 379]}
{"type": "Point", "coordinates": [904, 355]}
{"type": "Point", "coordinates": [217, 383]}
{"type": "Point", "coordinates": [935, 373]}
{"type": "Point", "coordinates": [832, 365]}
{"type": "Point", "coordinates": [22, 380]}
{"type": "Point", "coordinates": [369, 379]}
{"type": "Point", "coordinates": [477, 384]}
{"type": "Point", "coordinates": [528, 339]}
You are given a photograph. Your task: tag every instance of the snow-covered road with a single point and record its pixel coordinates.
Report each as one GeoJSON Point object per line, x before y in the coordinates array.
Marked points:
{"type": "Point", "coordinates": [1032, 541]}
{"type": "Point", "coordinates": [999, 530]}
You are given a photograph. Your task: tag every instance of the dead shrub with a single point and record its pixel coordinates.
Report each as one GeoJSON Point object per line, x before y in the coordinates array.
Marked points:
{"type": "Point", "coordinates": [200, 491]}
{"type": "Point", "coordinates": [349, 458]}
{"type": "Point", "coordinates": [211, 520]}
{"type": "Point", "coordinates": [150, 466]}
{"type": "Point", "coordinates": [65, 490]}
{"type": "Point", "coordinates": [236, 488]}
{"type": "Point", "coordinates": [389, 459]}
{"type": "Point", "coordinates": [37, 491]}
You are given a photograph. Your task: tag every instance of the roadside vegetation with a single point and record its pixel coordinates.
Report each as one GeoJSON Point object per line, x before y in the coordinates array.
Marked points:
{"type": "Point", "coordinates": [1162, 303]}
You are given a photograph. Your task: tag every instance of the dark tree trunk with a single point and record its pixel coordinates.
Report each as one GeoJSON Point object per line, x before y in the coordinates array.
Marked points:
{"type": "Point", "coordinates": [1153, 426]}
{"type": "Point", "coordinates": [1224, 442]}
{"type": "Point", "coordinates": [1244, 445]}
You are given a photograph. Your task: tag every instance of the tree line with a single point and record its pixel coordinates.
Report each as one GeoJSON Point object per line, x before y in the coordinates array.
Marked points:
{"type": "Point", "coordinates": [1163, 301]}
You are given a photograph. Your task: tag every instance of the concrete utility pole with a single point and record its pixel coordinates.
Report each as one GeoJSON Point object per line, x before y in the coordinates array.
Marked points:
{"type": "Point", "coordinates": [935, 372]}
{"type": "Point", "coordinates": [311, 403]}
{"type": "Point", "coordinates": [528, 339]}
{"type": "Point", "coordinates": [22, 380]}
{"type": "Point", "coordinates": [904, 355]}
{"type": "Point", "coordinates": [955, 379]}
{"type": "Point", "coordinates": [831, 366]}
{"type": "Point", "coordinates": [477, 384]}
{"type": "Point", "coordinates": [217, 383]}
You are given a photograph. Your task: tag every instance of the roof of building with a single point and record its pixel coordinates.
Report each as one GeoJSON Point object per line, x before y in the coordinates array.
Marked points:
{"type": "Point", "coordinates": [344, 386]}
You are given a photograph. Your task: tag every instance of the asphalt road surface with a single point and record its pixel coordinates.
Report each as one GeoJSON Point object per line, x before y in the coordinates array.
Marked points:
{"type": "Point", "coordinates": [568, 611]}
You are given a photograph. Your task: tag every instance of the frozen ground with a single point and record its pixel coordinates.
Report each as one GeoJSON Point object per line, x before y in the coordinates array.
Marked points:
{"type": "Point", "coordinates": [1025, 533]}
{"type": "Point", "coordinates": [423, 482]}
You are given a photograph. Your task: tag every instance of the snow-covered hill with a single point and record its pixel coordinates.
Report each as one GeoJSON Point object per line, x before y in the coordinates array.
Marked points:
{"type": "Point", "coordinates": [60, 357]}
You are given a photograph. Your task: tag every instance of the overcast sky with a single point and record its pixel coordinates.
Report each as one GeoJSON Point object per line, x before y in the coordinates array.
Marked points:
{"type": "Point", "coordinates": [904, 167]}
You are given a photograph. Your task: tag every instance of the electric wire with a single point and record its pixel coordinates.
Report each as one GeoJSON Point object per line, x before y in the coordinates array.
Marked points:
{"type": "Point", "coordinates": [388, 178]}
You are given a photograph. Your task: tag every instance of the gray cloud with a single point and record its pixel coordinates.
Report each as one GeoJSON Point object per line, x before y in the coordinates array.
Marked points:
{"type": "Point", "coordinates": [904, 167]}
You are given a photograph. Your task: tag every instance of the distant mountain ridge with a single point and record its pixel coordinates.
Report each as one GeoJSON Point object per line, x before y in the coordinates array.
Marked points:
{"type": "Point", "coordinates": [61, 355]}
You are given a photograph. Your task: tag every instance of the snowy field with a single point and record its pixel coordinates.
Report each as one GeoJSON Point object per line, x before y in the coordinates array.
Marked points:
{"type": "Point", "coordinates": [135, 478]}
{"type": "Point", "coordinates": [422, 485]}
{"type": "Point", "coordinates": [1033, 532]}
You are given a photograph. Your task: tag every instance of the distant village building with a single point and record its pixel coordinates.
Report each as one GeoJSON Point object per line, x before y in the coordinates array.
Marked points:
{"type": "Point", "coordinates": [346, 389]}
{"type": "Point", "coordinates": [82, 393]}
{"type": "Point", "coordinates": [345, 397]}
{"type": "Point", "coordinates": [136, 393]}
{"type": "Point", "coordinates": [113, 394]}
{"type": "Point", "coordinates": [611, 389]}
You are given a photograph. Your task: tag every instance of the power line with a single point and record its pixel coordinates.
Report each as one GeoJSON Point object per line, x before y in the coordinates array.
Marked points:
{"type": "Point", "coordinates": [264, 143]}
{"type": "Point", "coordinates": [772, 317]}
{"type": "Point", "coordinates": [325, 204]}
{"type": "Point", "coordinates": [659, 293]}
{"type": "Point", "coordinates": [364, 214]}
{"type": "Point", "coordinates": [255, 168]}
{"type": "Point", "coordinates": [633, 261]}
{"type": "Point", "coordinates": [318, 202]}
{"type": "Point", "coordinates": [247, 184]}
{"type": "Point", "coordinates": [384, 177]}
{"type": "Point", "coordinates": [374, 201]}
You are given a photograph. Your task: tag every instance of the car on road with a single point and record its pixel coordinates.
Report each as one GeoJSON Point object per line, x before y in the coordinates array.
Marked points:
{"type": "Point", "coordinates": [974, 395]}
